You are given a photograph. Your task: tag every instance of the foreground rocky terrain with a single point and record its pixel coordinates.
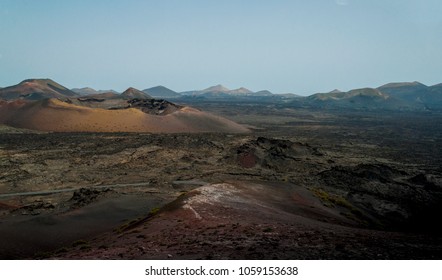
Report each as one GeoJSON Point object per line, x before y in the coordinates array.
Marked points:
{"type": "Point", "coordinates": [303, 184]}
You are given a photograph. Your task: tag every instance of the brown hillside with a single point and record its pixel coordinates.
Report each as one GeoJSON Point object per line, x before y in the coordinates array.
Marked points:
{"type": "Point", "coordinates": [36, 89]}
{"type": "Point", "coordinates": [56, 115]}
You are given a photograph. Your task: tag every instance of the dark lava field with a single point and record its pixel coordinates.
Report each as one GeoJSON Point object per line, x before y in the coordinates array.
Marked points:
{"type": "Point", "coordinates": [304, 184]}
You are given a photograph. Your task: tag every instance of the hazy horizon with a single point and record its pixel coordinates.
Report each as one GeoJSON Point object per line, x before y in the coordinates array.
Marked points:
{"type": "Point", "coordinates": [283, 46]}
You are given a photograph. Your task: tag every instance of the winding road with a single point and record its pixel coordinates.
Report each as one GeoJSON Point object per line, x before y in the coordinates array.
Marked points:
{"type": "Point", "coordinates": [48, 192]}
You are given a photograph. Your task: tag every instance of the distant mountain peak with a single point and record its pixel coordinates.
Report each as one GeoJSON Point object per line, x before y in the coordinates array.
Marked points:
{"type": "Point", "coordinates": [241, 90]}
{"type": "Point", "coordinates": [368, 92]}
{"type": "Point", "coordinates": [263, 93]}
{"type": "Point", "coordinates": [160, 87]}
{"type": "Point", "coordinates": [161, 92]}
{"type": "Point", "coordinates": [217, 88]}
{"type": "Point", "coordinates": [91, 91]}
{"type": "Point", "coordinates": [402, 84]}
{"type": "Point", "coordinates": [36, 89]}
{"type": "Point", "coordinates": [335, 91]}
{"type": "Point", "coordinates": [406, 91]}
{"type": "Point", "coordinates": [84, 91]}
{"type": "Point", "coordinates": [35, 80]}
{"type": "Point", "coordinates": [354, 93]}
{"type": "Point", "coordinates": [135, 93]}
{"type": "Point", "coordinates": [42, 82]}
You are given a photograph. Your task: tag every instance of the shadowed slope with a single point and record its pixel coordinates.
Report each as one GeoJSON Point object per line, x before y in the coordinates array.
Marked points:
{"type": "Point", "coordinates": [161, 92]}
{"type": "Point", "coordinates": [247, 220]}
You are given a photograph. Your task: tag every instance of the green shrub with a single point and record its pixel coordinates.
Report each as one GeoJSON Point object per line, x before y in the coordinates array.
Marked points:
{"type": "Point", "coordinates": [154, 211]}
{"type": "Point", "coordinates": [332, 200]}
{"type": "Point", "coordinates": [78, 243]}
{"type": "Point", "coordinates": [268, 229]}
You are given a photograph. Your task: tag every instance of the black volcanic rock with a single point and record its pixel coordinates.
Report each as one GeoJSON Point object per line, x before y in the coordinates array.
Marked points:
{"type": "Point", "coordinates": [154, 106]}
{"type": "Point", "coordinates": [272, 153]}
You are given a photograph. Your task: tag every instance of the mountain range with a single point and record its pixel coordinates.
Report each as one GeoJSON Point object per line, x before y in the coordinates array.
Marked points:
{"type": "Point", "coordinates": [220, 91]}
{"type": "Point", "coordinates": [408, 96]}
{"type": "Point", "coordinates": [91, 91]}
{"type": "Point", "coordinates": [391, 96]}
{"type": "Point", "coordinates": [44, 105]}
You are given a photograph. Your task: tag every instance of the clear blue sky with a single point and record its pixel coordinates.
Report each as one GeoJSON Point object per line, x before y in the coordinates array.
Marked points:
{"type": "Point", "coordinates": [293, 46]}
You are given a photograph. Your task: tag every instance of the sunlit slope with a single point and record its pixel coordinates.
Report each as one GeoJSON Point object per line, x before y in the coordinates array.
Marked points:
{"type": "Point", "coordinates": [56, 115]}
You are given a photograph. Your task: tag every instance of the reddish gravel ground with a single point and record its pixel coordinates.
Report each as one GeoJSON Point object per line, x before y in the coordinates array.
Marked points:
{"type": "Point", "coordinates": [253, 220]}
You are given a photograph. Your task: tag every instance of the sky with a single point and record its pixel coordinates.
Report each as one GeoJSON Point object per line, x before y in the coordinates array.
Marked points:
{"type": "Point", "coordinates": [301, 47]}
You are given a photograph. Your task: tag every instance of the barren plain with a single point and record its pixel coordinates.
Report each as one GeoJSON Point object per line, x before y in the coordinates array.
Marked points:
{"type": "Point", "coordinates": [303, 184]}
